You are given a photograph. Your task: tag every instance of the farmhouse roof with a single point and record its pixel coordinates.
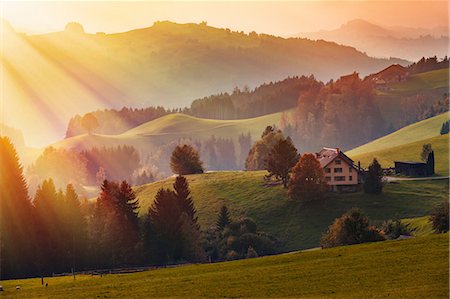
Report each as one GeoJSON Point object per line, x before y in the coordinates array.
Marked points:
{"type": "Point", "coordinates": [328, 154]}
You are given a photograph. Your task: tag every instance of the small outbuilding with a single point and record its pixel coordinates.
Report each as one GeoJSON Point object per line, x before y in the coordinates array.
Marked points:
{"type": "Point", "coordinates": [416, 169]}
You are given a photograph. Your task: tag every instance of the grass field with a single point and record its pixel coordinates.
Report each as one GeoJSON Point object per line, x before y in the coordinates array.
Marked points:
{"type": "Point", "coordinates": [300, 227]}
{"type": "Point", "coordinates": [421, 225]}
{"type": "Point", "coordinates": [423, 81]}
{"type": "Point", "coordinates": [413, 268]}
{"type": "Point", "coordinates": [425, 129]}
{"type": "Point", "coordinates": [409, 152]}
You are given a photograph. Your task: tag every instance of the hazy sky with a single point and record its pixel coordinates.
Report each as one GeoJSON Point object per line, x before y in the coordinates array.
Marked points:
{"type": "Point", "coordinates": [279, 18]}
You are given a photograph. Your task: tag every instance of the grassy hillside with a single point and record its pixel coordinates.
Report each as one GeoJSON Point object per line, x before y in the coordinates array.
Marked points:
{"type": "Point", "coordinates": [414, 268]}
{"type": "Point", "coordinates": [430, 86]}
{"type": "Point", "coordinates": [300, 227]}
{"type": "Point", "coordinates": [409, 152]}
{"type": "Point", "coordinates": [173, 127]}
{"type": "Point", "coordinates": [421, 226]}
{"type": "Point", "coordinates": [427, 128]}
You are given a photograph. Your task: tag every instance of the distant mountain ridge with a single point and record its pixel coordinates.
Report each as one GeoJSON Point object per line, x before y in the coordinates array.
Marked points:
{"type": "Point", "coordinates": [382, 41]}
{"type": "Point", "coordinates": [166, 64]}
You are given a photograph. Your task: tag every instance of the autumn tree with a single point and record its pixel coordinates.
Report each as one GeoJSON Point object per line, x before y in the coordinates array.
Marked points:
{"type": "Point", "coordinates": [223, 219]}
{"type": "Point", "coordinates": [185, 160]}
{"type": "Point", "coordinates": [307, 181]}
{"type": "Point", "coordinates": [373, 181]}
{"type": "Point", "coordinates": [282, 158]}
{"type": "Point", "coordinates": [259, 153]}
{"type": "Point", "coordinates": [16, 216]}
{"type": "Point", "coordinates": [89, 122]}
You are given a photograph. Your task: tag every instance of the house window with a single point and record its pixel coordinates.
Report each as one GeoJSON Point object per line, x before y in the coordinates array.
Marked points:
{"type": "Point", "coordinates": [328, 178]}
{"type": "Point", "coordinates": [350, 178]}
{"type": "Point", "coordinates": [337, 170]}
{"type": "Point", "coordinates": [350, 169]}
{"type": "Point", "coordinates": [337, 161]}
{"type": "Point", "coordinates": [327, 170]}
{"type": "Point", "coordinates": [339, 178]}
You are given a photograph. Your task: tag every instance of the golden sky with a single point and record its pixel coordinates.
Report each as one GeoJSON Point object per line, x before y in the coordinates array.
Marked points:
{"type": "Point", "coordinates": [279, 18]}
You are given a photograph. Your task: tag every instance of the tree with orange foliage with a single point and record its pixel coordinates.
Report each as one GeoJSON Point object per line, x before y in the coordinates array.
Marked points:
{"type": "Point", "coordinates": [307, 181]}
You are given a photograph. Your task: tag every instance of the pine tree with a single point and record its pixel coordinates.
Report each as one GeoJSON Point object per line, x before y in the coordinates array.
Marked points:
{"type": "Point", "coordinates": [307, 181]}
{"type": "Point", "coordinates": [184, 199]}
{"type": "Point", "coordinates": [282, 158]}
{"type": "Point", "coordinates": [373, 181]}
{"type": "Point", "coordinates": [17, 234]}
{"type": "Point", "coordinates": [223, 219]}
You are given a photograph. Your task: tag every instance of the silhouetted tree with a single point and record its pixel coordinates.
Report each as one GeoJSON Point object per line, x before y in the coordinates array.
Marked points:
{"type": "Point", "coordinates": [440, 218]}
{"type": "Point", "coordinates": [282, 158]}
{"type": "Point", "coordinates": [351, 228]}
{"type": "Point", "coordinates": [185, 160]}
{"type": "Point", "coordinates": [307, 181]}
{"type": "Point", "coordinates": [184, 199]}
{"type": "Point", "coordinates": [223, 219]}
{"type": "Point", "coordinates": [89, 122]}
{"type": "Point", "coordinates": [373, 181]}
{"type": "Point", "coordinates": [17, 234]}
{"type": "Point", "coordinates": [426, 150]}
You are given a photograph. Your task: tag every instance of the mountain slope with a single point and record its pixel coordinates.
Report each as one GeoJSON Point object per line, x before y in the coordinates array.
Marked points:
{"type": "Point", "coordinates": [425, 129]}
{"type": "Point", "coordinates": [167, 64]}
{"type": "Point", "coordinates": [379, 41]}
{"type": "Point", "coordinates": [246, 194]}
{"type": "Point", "coordinates": [418, 266]}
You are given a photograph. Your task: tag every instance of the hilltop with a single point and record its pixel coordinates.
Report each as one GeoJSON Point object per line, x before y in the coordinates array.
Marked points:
{"type": "Point", "coordinates": [406, 145]}
{"type": "Point", "coordinates": [155, 65]}
{"type": "Point", "coordinates": [419, 268]}
{"type": "Point", "coordinates": [246, 194]}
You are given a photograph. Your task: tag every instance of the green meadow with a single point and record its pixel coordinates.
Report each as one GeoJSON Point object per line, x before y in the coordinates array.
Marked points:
{"type": "Point", "coordinates": [413, 268]}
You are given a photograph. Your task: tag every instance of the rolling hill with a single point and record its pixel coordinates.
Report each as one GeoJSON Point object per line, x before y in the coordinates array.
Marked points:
{"type": "Point", "coordinates": [406, 145]}
{"type": "Point", "coordinates": [166, 64]}
{"type": "Point", "coordinates": [246, 194]}
{"type": "Point", "coordinates": [419, 268]}
{"type": "Point", "coordinates": [172, 127]}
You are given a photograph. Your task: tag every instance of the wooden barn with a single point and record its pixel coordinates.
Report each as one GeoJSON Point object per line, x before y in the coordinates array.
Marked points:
{"type": "Point", "coordinates": [416, 168]}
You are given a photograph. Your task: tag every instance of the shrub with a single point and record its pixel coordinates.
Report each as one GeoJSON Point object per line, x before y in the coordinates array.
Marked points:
{"type": "Point", "coordinates": [439, 218]}
{"type": "Point", "coordinates": [251, 253]}
{"type": "Point", "coordinates": [395, 228]}
{"type": "Point", "coordinates": [351, 228]}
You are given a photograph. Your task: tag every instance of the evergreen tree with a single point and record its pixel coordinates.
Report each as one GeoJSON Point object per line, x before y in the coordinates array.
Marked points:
{"type": "Point", "coordinates": [184, 199]}
{"type": "Point", "coordinates": [282, 158]}
{"type": "Point", "coordinates": [17, 235]}
{"type": "Point", "coordinates": [307, 181]}
{"type": "Point", "coordinates": [445, 128]}
{"type": "Point", "coordinates": [373, 182]}
{"type": "Point", "coordinates": [426, 150]}
{"type": "Point", "coordinates": [185, 160]}
{"type": "Point", "coordinates": [223, 219]}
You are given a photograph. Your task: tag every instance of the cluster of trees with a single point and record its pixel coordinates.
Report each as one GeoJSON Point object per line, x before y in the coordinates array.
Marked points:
{"type": "Point", "coordinates": [230, 240]}
{"type": "Point", "coordinates": [57, 232]}
{"type": "Point", "coordinates": [421, 106]}
{"type": "Point", "coordinates": [342, 113]}
{"type": "Point", "coordinates": [88, 167]}
{"type": "Point", "coordinates": [445, 128]}
{"type": "Point", "coordinates": [112, 121]}
{"type": "Point", "coordinates": [354, 227]}
{"type": "Point", "coordinates": [429, 64]}
{"type": "Point", "coordinates": [246, 103]}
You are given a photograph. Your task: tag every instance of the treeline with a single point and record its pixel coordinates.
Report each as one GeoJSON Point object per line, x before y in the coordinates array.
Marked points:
{"type": "Point", "coordinates": [56, 232]}
{"type": "Point", "coordinates": [265, 99]}
{"type": "Point", "coordinates": [341, 113]}
{"type": "Point", "coordinates": [429, 64]}
{"type": "Point", "coordinates": [89, 167]}
{"type": "Point", "coordinates": [113, 121]}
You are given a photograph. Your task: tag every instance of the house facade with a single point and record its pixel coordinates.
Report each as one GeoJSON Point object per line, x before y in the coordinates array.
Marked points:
{"type": "Point", "coordinates": [341, 174]}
